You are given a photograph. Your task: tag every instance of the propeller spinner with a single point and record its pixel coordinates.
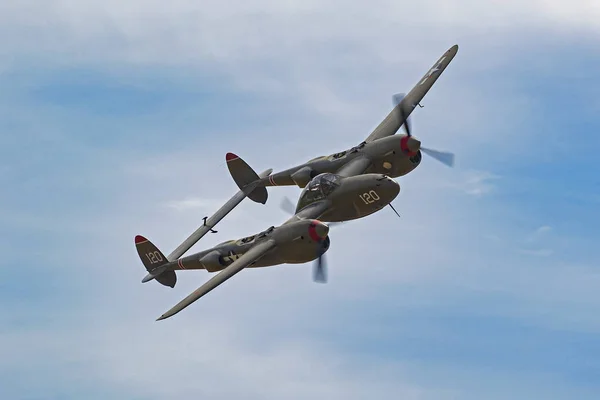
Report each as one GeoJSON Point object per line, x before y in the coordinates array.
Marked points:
{"type": "Point", "coordinates": [413, 145]}
{"type": "Point", "coordinates": [319, 232]}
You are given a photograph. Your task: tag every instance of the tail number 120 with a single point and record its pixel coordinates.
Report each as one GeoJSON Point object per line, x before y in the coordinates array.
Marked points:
{"type": "Point", "coordinates": [154, 257]}
{"type": "Point", "coordinates": [370, 197]}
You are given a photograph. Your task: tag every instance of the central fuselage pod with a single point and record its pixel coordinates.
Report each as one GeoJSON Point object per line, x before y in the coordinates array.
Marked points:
{"type": "Point", "coordinates": [345, 199]}
{"type": "Point", "coordinates": [360, 196]}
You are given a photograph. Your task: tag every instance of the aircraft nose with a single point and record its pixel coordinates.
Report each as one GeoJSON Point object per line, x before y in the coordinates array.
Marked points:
{"type": "Point", "coordinates": [394, 186]}
{"type": "Point", "coordinates": [318, 230]}
{"type": "Point", "coordinates": [409, 144]}
{"type": "Point", "coordinates": [413, 144]}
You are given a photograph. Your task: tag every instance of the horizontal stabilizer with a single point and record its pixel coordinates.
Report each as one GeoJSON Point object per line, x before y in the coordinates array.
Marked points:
{"type": "Point", "coordinates": [244, 175]}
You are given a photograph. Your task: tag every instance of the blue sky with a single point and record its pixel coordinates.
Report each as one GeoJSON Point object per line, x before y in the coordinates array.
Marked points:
{"type": "Point", "coordinates": [116, 122]}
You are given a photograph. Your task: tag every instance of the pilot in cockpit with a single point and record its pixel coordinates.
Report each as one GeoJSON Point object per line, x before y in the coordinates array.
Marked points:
{"type": "Point", "coordinates": [318, 188]}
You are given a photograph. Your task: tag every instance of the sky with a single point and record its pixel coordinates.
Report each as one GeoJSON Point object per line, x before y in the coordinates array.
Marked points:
{"type": "Point", "coordinates": [115, 118]}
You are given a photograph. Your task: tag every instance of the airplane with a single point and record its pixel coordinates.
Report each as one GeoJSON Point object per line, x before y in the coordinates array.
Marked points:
{"type": "Point", "coordinates": [381, 152]}
{"type": "Point", "coordinates": [302, 238]}
{"type": "Point", "coordinates": [331, 184]}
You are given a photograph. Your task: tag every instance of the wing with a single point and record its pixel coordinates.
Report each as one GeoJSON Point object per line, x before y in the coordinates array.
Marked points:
{"type": "Point", "coordinates": [393, 121]}
{"type": "Point", "coordinates": [245, 260]}
{"type": "Point", "coordinates": [215, 218]}
{"type": "Point", "coordinates": [355, 167]}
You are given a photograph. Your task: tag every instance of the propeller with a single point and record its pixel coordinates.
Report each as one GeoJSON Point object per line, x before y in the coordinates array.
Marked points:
{"type": "Point", "coordinates": [445, 158]}
{"type": "Point", "coordinates": [397, 100]}
{"type": "Point", "coordinates": [442, 156]}
{"type": "Point", "coordinates": [287, 206]}
{"type": "Point", "coordinates": [320, 266]}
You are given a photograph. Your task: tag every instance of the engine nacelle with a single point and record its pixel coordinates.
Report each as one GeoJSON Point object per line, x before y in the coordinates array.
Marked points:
{"type": "Point", "coordinates": [303, 176]}
{"type": "Point", "coordinates": [213, 261]}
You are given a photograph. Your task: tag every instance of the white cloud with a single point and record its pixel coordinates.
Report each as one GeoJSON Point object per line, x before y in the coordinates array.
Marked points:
{"type": "Point", "coordinates": [474, 183]}
{"type": "Point", "coordinates": [206, 360]}
{"type": "Point", "coordinates": [538, 242]}
{"type": "Point", "coordinates": [538, 252]}
{"type": "Point", "coordinates": [193, 203]}
{"type": "Point", "coordinates": [539, 233]}
{"type": "Point", "coordinates": [543, 229]}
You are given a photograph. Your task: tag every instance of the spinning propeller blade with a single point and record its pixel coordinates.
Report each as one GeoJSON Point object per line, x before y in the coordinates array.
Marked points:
{"type": "Point", "coordinates": [320, 264]}
{"type": "Point", "coordinates": [442, 156]}
{"type": "Point", "coordinates": [445, 158]}
{"type": "Point", "coordinates": [397, 100]}
{"type": "Point", "coordinates": [287, 206]}
{"type": "Point", "coordinates": [320, 270]}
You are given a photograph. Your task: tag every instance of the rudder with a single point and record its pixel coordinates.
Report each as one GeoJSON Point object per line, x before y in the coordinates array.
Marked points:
{"type": "Point", "coordinates": [153, 259]}
{"type": "Point", "coordinates": [244, 175]}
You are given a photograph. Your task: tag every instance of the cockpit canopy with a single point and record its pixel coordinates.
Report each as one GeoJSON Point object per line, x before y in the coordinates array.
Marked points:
{"type": "Point", "coordinates": [318, 188]}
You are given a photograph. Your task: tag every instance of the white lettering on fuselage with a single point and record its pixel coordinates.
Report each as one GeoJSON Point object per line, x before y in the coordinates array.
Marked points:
{"type": "Point", "coordinates": [370, 197]}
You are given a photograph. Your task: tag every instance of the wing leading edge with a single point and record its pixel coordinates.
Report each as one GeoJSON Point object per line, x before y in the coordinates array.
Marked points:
{"type": "Point", "coordinates": [252, 255]}
{"type": "Point", "coordinates": [393, 121]}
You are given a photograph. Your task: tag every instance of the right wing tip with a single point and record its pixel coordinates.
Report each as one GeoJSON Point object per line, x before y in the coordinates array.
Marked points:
{"type": "Point", "coordinates": [164, 316]}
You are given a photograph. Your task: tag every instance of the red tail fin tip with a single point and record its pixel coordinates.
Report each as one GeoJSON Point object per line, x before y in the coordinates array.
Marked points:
{"type": "Point", "coordinates": [230, 157]}
{"type": "Point", "coordinates": [140, 239]}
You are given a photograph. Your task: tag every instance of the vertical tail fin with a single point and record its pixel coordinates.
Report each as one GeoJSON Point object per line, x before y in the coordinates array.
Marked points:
{"type": "Point", "coordinates": [246, 178]}
{"type": "Point", "coordinates": [154, 261]}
